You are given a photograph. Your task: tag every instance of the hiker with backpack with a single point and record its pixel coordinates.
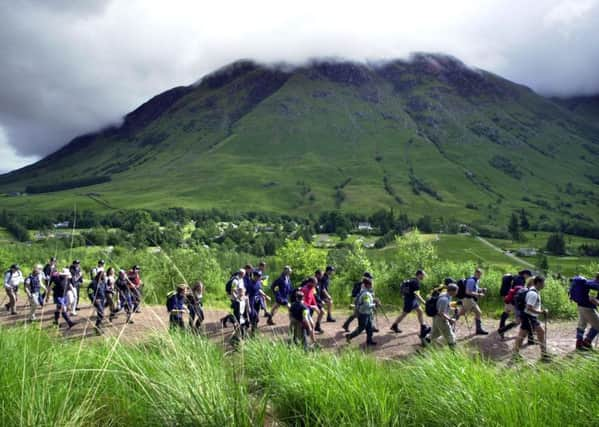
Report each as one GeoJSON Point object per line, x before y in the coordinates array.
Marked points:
{"type": "Point", "coordinates": [194, 305]}
{"type": "Point", "coordinates": [256, 297]}
{"type": "Point", "coordinates": [281, 288]}
{"type": "Point", "coordinates": [323, 291]}
{"type": "Point", "coordinates": [309, 292]}
{"type": "Point", "coordinates": [137, 284]}
{"type": "Point", "coordinates": [12, 279]}
{"type": "Point", "coordinates": [528, 302]}
{"type": "Point", "coordinates": [469, 291]}
{"type": "Point", "coordinates": [76, 281]}
{"type": "Point", "coordinates": [580, 290]}
{"type": "Point", "coordinates": [356, 289]}
{"type": "Point", "coordinates": [49, 269]}
{"type": "Point", "coordinates": [232, 289]}
{"type": "Point", "coordinates": [509, 287]}
{"type": "Point", "coordinates": [410, 289]}
{"type": "Point", "coordinates": [437, 307]}
{"type": "Point", "coordinates": [61, 283]}
{"type": "Point", "coordinates": [175, 305]}
{"type": "Point", "coordinates": [300, 323]}
{"type": "Point", "coordinates": [98, 291]}
{"type": "Point", "coordinates": [366, 304]}
{"type": "Point", "coordinates": [241, 316]}
{"type": "Point", "coordinates": [124, 291]}
{"type": "Point", "coordinates": [34, 283]}
{"type": "Point", "coordinates": [112, 300]}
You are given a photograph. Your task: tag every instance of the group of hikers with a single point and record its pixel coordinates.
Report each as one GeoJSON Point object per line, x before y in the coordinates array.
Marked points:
{"type": "Point", "coordinates": [107, 289]}
{"type": "Point", "coordinates": [310, 302]}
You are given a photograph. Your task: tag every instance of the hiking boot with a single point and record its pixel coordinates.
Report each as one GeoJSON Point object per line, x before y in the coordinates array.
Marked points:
{"type": "Point", "coordinates": [395, 328]}
{"type": "Point", "coordinates": [370, 343]}
{"type": "Point", "coordinates": [375, 330]}
{"type": "Point", "coordinates": [318, 330]}
{"type": "Point", "coordinates": [481, 332]}
{"type": "Point", "coordinates": [330, 319]}
{"type": "Point", "coordinates": [270, 322]}
{"type": "Point", "coordinates": [98, 330]}
{"type": "Point", "coordinates": [70, 325]}
{"type": "Point", "coordinates": [223, 322]}
{"type": "Point", "coordinates": [546, 357]}
{"type": "Point", "coordinates": [425, 330]}
{"type": "Point", "coordinates": [347, 338]}
{"type": "Point", "coordinates": [345, 327]}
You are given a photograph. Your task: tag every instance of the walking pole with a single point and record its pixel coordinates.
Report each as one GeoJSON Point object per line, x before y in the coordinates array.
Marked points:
{"type": "Point", "coordinates": [383, 311]}
{"type": "Point", "coordinates": [545, 335]}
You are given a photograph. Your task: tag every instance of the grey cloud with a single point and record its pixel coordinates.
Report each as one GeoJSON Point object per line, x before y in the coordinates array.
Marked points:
{"type": "Point", "coordinates": [67, 68]}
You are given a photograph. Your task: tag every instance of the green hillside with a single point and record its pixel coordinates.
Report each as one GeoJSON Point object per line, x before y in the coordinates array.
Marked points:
{"type": "Point", "coordinates": [428, 136]}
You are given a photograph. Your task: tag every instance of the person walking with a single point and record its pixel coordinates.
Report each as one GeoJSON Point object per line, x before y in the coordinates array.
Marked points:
{"type": "Point", "coordinates": [124, 289]}
{"type": "Point", "coordinates": [112, 292]}
{"type": "Point", "coordinates": [12, 279]}
{"type": "Point", "coordinates": [194, 305]}
{"type": "Point", "coordinates": [324, 292]}
{"type": "Point", "coordinates": [34, 284]}
{"type": "Point", "coordinates": [281, 288]}
{"type": "Point", "coordinates": [473, 292]}
{"type": "Point", "coordinates": [99, 287]}
{"type": "Point", "coordinates": [528, 300]}
{"type": "Point", "coordinates": [356, 289]}
{"type": "Point", "coordinates": [134, 277]}
{"type": "Point", "coordinates": [77, 281]}
{"type": "Point", "coordinates": [410, 290]}
{"type": "Point", "coordinates": [300, 323]}
{"type": "Point", "coordinates": [580, 290]}
{"type": "Point", "coordinates": [309, 294]}
{"type": "Point", "coordinates": [443, 323]}
{"type": "Point", "coordinates": [366, 306]}
{"type": "Point", "coordinates": [510, 289]}
{"type": "Point", "coordinates": [232, 289]}
{"type": "Point", "coordinates": [175, 305]}
{"type": "Point", "coordinates": [49, 270]}
{"type": "Point", "coordinates": [61, 283]}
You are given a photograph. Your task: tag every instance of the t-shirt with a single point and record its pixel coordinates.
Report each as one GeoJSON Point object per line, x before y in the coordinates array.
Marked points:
{"type": "Point", "coordinates": [413, 287]}
{"type": "Point", "coordinates": [533, 299]}
{"type": "Point", "coordinates": [323, 285]}
{"type": "Point", "coordinates": [12, 280]}
{"type": "Point", "coordinates": [176, 302]}
{"type": "Point", "coordinates": [134, 278]}
{"type": "Point", "coordinates": [309, 296]}
{"type": "Point", "coordinates": [236, 285]}
{"type": "Point", "coordinates": [471, 285]}
{"type": "Point", "coordinates": [366, 302]}
{"type": "Point", "coordinates": [443, 303]}
{"type": "Point", "coordinates": [76, 276]}
{"type": "Point", "coordinates": [282, 288]}
{"type": "Point", "coordinates": [253, 289]}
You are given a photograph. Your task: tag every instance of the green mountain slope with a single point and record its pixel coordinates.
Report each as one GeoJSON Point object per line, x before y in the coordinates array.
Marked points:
{"type": "Point", "coordinates": [425, 136]}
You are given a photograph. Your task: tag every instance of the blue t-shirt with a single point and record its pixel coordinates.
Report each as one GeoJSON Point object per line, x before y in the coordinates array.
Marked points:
{"type": "Point", "coordinates": [580, 290]}
{"type": "Point", "coordinates": [282, 288]}
{"type": "Point", "coordinates": [471, 285]}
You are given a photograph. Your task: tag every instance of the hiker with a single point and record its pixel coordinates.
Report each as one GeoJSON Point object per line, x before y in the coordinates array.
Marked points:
{"type": "Point", "coordinates": [472, 292]}
{"type": "Point", "coordinates": [256, 298]}
{"type": "Point", "coordinates": [511, 284]}
{"type": "Point", "coordinates": [124, 291]}
{"type": "Point", "coordinates": [323, 291]}
{"type": "Point", "coordinates": [34, 283]}
{"type": "Point", "coordinates": [175, 305]}
{"type": "Point", "coordinates": [49, 269]}
{"type": "Point", "coordinates": [587, 310]}
{"type": "Point", "coordinates": [528, 300]}
{"type": "Point", "coordinates": [136, 288]}
{"type": "Point", "coordinates": [262, 268]}
{"type": "Point", "coordinates": [232, 289]}
{"type": "Point", "coordinates": [77, 281]}
{"type": "Point", "coordinates": [443, 324]}
{"type": "Point", "coordinates": [356, 289]}
{"type": "Point", "coordinates": [98, 286]}
{"type": "Point", "coordinates": [410, 289]}
{"type": "Point", "coordinates": [309, 293]}
{"type": "Point", "coordinates": [281, 288]}
{"type": "Point", "coordinates": [112, 300]}
{"type": "Point", "coordinates": [241, 315]}
{"type": "Point", "coordinates": [366, 304]}
{"type": "Point", "coordinates": [194, 305]}
{"type": "Point", "coordinates": [12, 279]}
{"type": "Point", "coordinates": [300, 323]}
{"type": "Point", "coordinates": [62, 283]}
{"type": "Point", "coordinates": [99, 267]}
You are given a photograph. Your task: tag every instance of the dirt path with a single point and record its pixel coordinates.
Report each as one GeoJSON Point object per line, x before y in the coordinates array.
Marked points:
{"type": "Point", "coordinates": [154, 319]}
{"type": "Point", "coordinates": [509, 254]}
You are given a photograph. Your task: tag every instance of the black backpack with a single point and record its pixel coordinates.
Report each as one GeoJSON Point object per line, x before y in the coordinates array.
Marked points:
{"type": "Point", "coordinates": [91, 290]}
{"type": "Point", "coordinates": [461, 289]}
{"type": "Point", "coordinates": [229, 285]}
{"type": "Point", "coordinates": [507, 281]}
{"type": "Point", "coordinates": [520, 299]}
{"type": "Point", "coordinates": [430, 305]}
{"type": "Point", "coordinates": [406, 287]}
{"type": "Point", "coordinates": [169, 297]}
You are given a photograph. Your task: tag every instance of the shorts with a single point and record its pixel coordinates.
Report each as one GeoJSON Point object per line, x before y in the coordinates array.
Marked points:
{"type": "Point", "coordinates": [469, 304]}
{"type": "Point", "coordinates": [281, 301]}
{"type": "Point", "coordinates": [410, 304]}
{"type": "Point", "coordinates": [529, 323]}
{"type": "Point", "coordinates": [587, 315]}
{"type": "Point", "coordinates": [60, 301]}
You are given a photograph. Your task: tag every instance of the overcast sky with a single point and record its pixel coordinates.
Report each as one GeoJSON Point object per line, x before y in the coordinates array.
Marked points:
{"type": "Point", "coordinates": [69, 67]}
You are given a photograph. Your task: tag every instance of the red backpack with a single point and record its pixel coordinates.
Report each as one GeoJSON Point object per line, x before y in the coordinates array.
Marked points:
{"type": "Point", "coordinates": [509, 298]}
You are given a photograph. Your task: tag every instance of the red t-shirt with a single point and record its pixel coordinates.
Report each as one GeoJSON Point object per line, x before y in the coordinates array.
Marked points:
{"type": "Point", "coordinates": [134, 278]}
{"type": "Point", "coordinates": [309, 297]}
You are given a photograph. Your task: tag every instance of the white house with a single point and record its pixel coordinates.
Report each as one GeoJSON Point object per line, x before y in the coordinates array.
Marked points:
{"type": "Point", "coordinates": [364, 226]}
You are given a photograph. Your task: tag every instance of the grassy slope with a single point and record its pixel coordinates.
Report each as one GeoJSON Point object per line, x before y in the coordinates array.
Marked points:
{"type": "Point", "coordinates": [220, 148]}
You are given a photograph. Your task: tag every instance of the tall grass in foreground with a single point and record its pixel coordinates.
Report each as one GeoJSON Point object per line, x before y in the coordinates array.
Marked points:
{"type": "Point", "coordinates": [171, 380]}
{"type": "Point", "coordinates": [437, 389]}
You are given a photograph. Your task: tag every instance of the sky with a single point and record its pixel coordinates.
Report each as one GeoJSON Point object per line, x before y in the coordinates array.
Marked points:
{"type": "Point", "coordinates": [72, 67]}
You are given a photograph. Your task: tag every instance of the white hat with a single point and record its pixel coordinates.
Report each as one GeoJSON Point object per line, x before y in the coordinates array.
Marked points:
{"type": "Point", "coordinates": [65, 272]}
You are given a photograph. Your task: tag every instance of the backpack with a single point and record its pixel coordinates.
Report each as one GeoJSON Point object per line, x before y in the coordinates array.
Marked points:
{"type": "Point", "coordinates": [507, 282]}
{"type": "Point", "coordinates": [577, 291]}
{"type": "Point", "coordinates": [461, 289]}
{"type": "Point", "coordinates": [91, 290]}
{"type": "Point", "coordinates": [520, 299]}
{"type": "Point", "coordinates": [229, 285]}
{"type": "Point", "coordinates": [169, 297]}
{"type": "Point", "coordinates": [509, 298]}
{"type": "Point", "coordinates": [430, 305]}
{"type": "Point", "coordinates": [406, 287]}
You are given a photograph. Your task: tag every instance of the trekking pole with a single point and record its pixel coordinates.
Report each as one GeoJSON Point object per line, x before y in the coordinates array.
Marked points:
{"type": "Point", "coordinates": [545, 335]}
{"type": "Point", "coordinates": [468, 325]}
{"type": "Point", "coordinates": [383, 312]}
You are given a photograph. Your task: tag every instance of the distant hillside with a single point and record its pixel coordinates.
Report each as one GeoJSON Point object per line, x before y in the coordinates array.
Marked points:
{"type": "Point", "coordinates": [586, 106]}
{"type": "Point", "coordinates": [426, 136]}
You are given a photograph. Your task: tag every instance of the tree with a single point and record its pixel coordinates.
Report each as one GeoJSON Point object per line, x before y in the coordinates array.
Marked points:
{"type": "Point", "coordinates": [543, 263]}
{"type": "Point", "coordinates": [556, 244]}
{"type": "Point", "coordinates": [514, 228]}
{"type": "Point", "coordinates": [524, 223]}
{"type": "Point", "coordinates": [302, 257]}
{"type": "Point", "coordinates": [414, 253]}
{"type": "Point", "coordinates": [425, 224]}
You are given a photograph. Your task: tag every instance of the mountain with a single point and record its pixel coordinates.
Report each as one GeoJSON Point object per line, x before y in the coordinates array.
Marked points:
{"type": "Point", "coordinates": [587, 106]}
{"type": "Point", "coordinates": [425, 136]}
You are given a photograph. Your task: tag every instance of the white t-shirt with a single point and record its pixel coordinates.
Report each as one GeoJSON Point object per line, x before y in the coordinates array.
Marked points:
{"type": "Point", "coordinates": [13, 280]}
{"type": "Point", "coordinates": [236, 285]}
{"type": "Point", "coordinates": [533, 299]}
